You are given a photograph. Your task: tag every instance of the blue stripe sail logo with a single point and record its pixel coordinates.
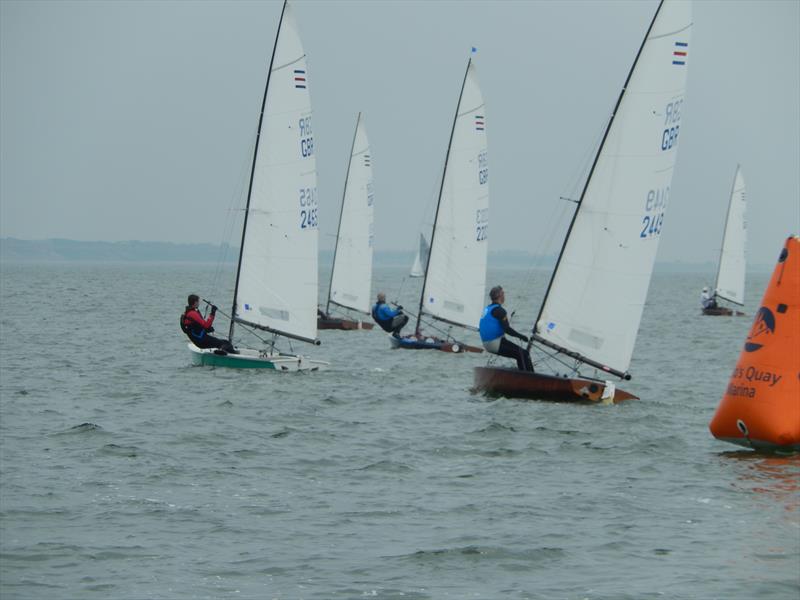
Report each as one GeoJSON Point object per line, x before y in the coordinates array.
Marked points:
{"type": "Point", "coordinates": [680, 53]}
{"type": "Point", "coordinates": [300, 79]}
{"type": "Point", "coordinates": [480, 123]}
{"type": "Point", "coordinates": [366, 160]}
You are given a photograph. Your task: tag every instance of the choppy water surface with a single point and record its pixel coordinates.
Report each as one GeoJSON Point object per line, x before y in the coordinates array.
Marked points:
{"type": "Point", "coordinates": [127, 473]}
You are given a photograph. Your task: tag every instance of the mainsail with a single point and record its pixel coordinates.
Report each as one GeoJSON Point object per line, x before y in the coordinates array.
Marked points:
{"type": "Point", "coordinates": [351, 277]}
{"type": "Point", "coordinates": [276, 283]}
{"type": "Point", "coordinates": [595, 298]}
{"type": "Point", "coordinates": [421, 259]}
{"type": "Point", "coordinates": [731, 273]}
{"type": "Point", "coordinates": [455, 277]}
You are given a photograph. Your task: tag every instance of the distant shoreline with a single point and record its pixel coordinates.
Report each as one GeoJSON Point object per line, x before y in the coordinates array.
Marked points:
{"type": "Point", "coordinates": [68, 251]}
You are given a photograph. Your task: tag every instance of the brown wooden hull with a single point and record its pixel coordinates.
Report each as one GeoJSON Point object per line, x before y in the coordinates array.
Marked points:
{"type": "Point", "coordinates": [513, 383]}
{"type": "Point", "coordinates": [345, 324]}
{"type": "Point", "coordinates": [721, 311]}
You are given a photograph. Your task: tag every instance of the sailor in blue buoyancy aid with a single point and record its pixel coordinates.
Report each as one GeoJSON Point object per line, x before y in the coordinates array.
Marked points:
{"type": "Point", "coordinates": [390, 320]}
{"type": "Point", "coordinates": [494, 326]}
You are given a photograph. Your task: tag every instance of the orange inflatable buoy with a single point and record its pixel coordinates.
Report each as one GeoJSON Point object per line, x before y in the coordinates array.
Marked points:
{"type": "Point", "coordinates": [761, 407]}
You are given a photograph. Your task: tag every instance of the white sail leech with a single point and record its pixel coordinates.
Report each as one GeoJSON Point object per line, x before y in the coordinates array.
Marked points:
{"type": "Point", "coordinates": [732, 261]}
{"type": "Point", "coordinates": [455, 282]}
{"type": "Point", "coordinates": [598, 291]}
{"type": "Point", "coordinates": [351, 277]}
{"type": "Point", "coordinates": [277, 285]}
{"type": "Point", "coordinates": [417, 270]}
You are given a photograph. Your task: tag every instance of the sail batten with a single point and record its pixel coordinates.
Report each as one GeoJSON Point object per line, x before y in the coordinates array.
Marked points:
{"type": "Point", "coordinates": [595, 298]}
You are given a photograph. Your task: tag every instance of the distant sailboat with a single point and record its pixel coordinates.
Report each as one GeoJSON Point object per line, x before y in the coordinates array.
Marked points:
{"type": "Point", "coordinates": [276, 276]}
{"type": "Point", "coordinates": [593, 305]}
{"type": "Point", "coordinates": [455, 271]}
{"type": "Point", "coordinates": [732, 264]}
{"type": "Point", "coordinates": [421, 259]}
{"type": "Point", "coordinates": [351, 273]}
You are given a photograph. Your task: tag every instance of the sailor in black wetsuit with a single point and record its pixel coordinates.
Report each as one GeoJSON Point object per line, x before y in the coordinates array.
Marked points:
{"type": "Point", "coordinates": [493, 327]}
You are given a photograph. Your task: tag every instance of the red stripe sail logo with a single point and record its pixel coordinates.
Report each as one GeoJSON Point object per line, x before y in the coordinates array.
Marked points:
{"type": "Point", "coordinates": [680, 53]}
{"type": "Point", "coordinates": [300, 79]}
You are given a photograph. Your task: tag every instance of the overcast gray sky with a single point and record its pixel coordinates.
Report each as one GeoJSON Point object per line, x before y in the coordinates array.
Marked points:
{"type": "Point", "coordinates": [135, 120]}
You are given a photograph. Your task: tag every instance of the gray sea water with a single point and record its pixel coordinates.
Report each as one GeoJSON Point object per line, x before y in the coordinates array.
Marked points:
{"type": "Point", "coordinates": [127, 473]}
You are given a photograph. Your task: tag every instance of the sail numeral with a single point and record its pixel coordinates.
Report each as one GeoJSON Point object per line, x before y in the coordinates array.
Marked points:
{"type": "Point", "coordinates": [651, 225]}
{"type": "Point", "coordinates": [482, 223]}
{"type": "Point", "coordinates": [308, 208]}
{"type": "Point", "coordinates": [308, 219]}
{"type": "Point", "coordinates": [370, 194]}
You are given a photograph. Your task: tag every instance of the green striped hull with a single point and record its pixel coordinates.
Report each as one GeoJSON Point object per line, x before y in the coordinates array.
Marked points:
{"type": "Point", "coordinates": [254, 359]}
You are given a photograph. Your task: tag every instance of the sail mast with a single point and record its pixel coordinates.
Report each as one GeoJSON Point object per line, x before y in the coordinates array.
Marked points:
{"type": "Point", "coordinates": [725, 230]}
{"type": "Point", "coordinates": [439, 200]}
{"type": "Point", "coordinates": [252, 173]}
{"type": "Point", "coordinates": [583, 193]}
{"type": "Point", "coordinates": [341, 212]}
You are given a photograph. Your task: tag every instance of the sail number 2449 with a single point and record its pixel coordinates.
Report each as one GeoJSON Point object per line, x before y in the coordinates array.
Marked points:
{"type": "Point", "coordinates": [655, 205]}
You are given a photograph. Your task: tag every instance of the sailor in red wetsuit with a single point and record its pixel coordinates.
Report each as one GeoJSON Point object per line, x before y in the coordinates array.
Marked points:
{"type": "Point", "coordinates": [199, 329]}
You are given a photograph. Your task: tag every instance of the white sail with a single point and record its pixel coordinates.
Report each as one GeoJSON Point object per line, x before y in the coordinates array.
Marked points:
{"type": "Point", "coordinates": [277, 282]}
{"type": "Point", "coordinates": [351, 279]}
{"type": "Point", "coordinates": [418, 268]}
{"type": "Point", "coordinates": [597, 294]}
{"type": "Point", "coordinates": [730, 277]}
{"type": "Point", "coordinates": [455, 280]}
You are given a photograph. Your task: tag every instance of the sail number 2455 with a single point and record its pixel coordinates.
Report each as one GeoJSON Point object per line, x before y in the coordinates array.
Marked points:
{"type": "Point", "coordinates": [308, 208]}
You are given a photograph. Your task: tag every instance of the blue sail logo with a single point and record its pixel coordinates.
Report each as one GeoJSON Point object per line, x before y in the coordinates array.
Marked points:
{"type": "Point", "coordinates": [764, 325]}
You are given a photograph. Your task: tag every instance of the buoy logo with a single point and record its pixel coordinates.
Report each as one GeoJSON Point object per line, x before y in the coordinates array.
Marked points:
{"type": "Point", "coordinates": [763, 327]}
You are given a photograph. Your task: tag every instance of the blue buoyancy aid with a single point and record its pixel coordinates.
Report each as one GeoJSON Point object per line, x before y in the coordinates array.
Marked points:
{"type": "Point", "coordinates": [383, 314]}
{"type": "Point", "coordinates": [490, 327]}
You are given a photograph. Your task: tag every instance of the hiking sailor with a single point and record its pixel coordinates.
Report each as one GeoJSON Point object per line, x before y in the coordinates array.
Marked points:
{"type": "Point", "coordinates": [494, 326]}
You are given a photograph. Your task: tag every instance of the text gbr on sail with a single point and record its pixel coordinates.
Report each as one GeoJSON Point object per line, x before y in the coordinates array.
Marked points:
{"type": "Point", "coordinates": [673, 116]}
{"type": "Point", "coordinates": [306, 137]}
{"type": "Point", "coordinates": [483, 168]}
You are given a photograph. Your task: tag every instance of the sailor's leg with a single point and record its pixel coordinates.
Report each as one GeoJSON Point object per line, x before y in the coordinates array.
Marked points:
{"type": "Point", "coordinates": [511, 350]}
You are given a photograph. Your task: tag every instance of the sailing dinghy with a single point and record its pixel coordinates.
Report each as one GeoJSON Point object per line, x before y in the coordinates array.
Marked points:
{"type": "Point", "coordinates": [351, 273]}
{"type": "Point", "coordinates": [593, 304]}
{"type": "Point", "coordinates": [417, 269]}
{"type": "Point", "coordinates": [276, 277]}
{"type": "Point", "coordinates": [731, 271]}
{"type": "Point", "coordinates": [455, 272]}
